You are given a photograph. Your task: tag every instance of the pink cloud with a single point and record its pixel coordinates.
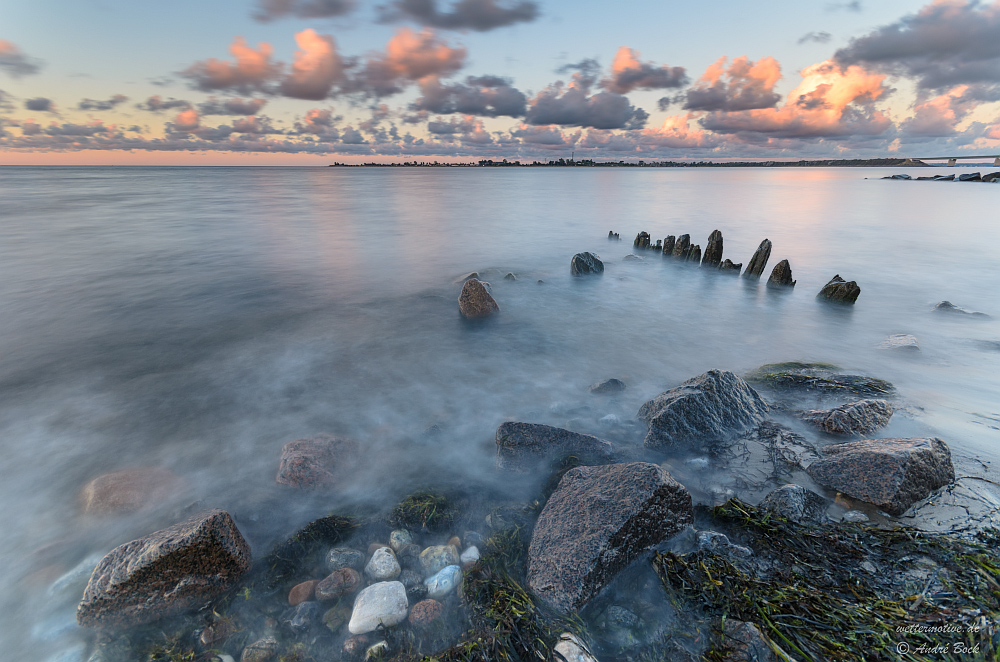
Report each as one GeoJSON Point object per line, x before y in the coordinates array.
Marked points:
{"type": "Point", "coordinates": [628, 73]}
{"type": "Point", "coordinates": [187, 120]}
{"type": "Point", "coordinates": [743, 85]}
{"type": "Point", "coordinates": [317, 67]}
{"type": "Point", "coordinates": [250, 70]}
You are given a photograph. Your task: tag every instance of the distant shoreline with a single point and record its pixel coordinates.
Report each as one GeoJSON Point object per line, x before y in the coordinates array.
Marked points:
{"type": "Point", "coordinates": [586, 163]}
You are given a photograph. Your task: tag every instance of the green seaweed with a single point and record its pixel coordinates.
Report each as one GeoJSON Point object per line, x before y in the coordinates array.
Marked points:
{"type": "Point", "coordinates": [817, 377]}
{"type": "Point", "coordinates": [423, 511]}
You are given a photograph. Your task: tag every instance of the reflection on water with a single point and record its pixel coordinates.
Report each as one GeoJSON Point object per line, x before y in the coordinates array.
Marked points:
{"type": "Point", "coordinates": [197, 319]}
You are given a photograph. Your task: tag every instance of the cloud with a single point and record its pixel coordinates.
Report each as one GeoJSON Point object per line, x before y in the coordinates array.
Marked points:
{"type": "Point", "coordinates": [320, 124]}
{"type": "Point", "coordinates": [6, 102]}
{"type": "Point", "coordinates": [91, 104]}
{"type": "Point", "coordinates": [828, 103]}
{"type": "Point", "coordinates": [815, 37]}
{"type": "Point", "coordinates": [40, 105]}
{"type": "Point", "coordinates": [317, 67]}
{"type": "Point", "coordinates": [187, 120]}
{"type": "Point", "coordinates": [15, 63]}
{"type": "Point", "coordinates": [852, 5]}
{"type": "Point", "coordinates": [628, 74]}
{"type": "Point", "coordinates": [939, 117]}
{"type": "Point", "coordinates": [547, 136]}
{"type": "Point", "coordinates": [409, 56]}
{"type": "Point", "coordinates": [235, 106]}
{"type": "Point", "coordinates": [256, 125]}
{"type": "Point", "coordinates": [156, 104]}
{"type": "Point", "coordinates": [478, 15]}
{"type": "Point", "coordinates": [571, 106]}
{"type": "Point", "coordinates": [488, 96]}
{"type": "Point", "coordinates": [585, 72]}
{"type": "Point", "coordinates": [750, 85]}
{"type": "Point", "coordinates": [270, 10]}
{"type": "Point", "coordinates": [251, 70]}
{"type": "Point", "coordinates": [946, 43]}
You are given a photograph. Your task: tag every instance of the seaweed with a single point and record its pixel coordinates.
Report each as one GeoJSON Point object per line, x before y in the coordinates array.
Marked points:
{"type": "Point", "coordinates": [817, 377]}
{"type": "Point", "coordinates": [427, 511]}
{"type": "Point", "coordinates": [807, 593]}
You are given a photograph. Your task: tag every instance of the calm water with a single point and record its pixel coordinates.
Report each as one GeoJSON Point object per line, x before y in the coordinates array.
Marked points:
{"type": "Point", "coordinates": [197, 319]}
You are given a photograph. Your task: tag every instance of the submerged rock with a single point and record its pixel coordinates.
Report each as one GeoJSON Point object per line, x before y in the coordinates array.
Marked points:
{"type": "Point", "coordinates": [970, 177]}
{"type": "Point", "coordinates": [522, 447]}
{"type": "Point", "coordinates": [694, 254]}
{"type": "Point", "coordinates": [948, 307]}
{"type": "Point", "coordinates": [475, 301]}
{"type": "Point", "coordinates": [585, 263]}
{"type": "Point", "coordinates": [796, 503]}
{"type": "Point", "coordinates": [437, 557]}
{"type": "Point", "coordinates": [840, 291]}
{"type": "Point", "coordinates": [781, 275]}
{"type": "Point", "coordinates": [857, 418]}
{"type": "Point", "coordinates": [607, 387]}
{"type": "Point", "coordinates": [755, 269]}
{"type": "Point", "coordinates": [668, 245]}
{"type": "Point", "coordinates": [317, 462]}
{"type": "Point", "coordinates": [338, 584]}
{"type": "Point", "coordinates": [892, 474]}
{"type": "Point", "coordinates": [820, 377]}
{"type": "Point", "coordinates": [425, 613]}
{"type": "Point", "coordinates": [598, 521]}
{"type": "Point", "coordinates": [165, 573]}
{"type": "Point", "coordinates": [510, 276]}
{"type": "Point", "coordinates": [641, 240]}
{"type": "Point", "coordinates": [128, 490]}
{"type": "Point", "coordinates": [262, 650]}
{"type": "Point", "coordinates": [383, 603]}
{"type": "Point", "coordinates": [682, 246]}
{"type": "Point", "coordinates": [716, 406]}
{"type": "Point", "coordinates": [729, 267]}
{"type": "Point", "coordinates": [305, 614]}
{"type": "Point", "coordinates": [302, 592]}
{"type": "Point", "coordinates": [901, 342]}
{"type": "Point", "coordinates": [713, 250]}
{"type": "Point", "coordinates": [631, 257]}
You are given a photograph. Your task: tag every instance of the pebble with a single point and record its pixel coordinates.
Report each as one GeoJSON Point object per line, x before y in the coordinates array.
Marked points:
{"type": "Point", "coordinates": [471, 555]}
{"type": "Point", "coordinates": [377, 650]}
{"type": "Point", "coordinates": [354, 645]}
{"type": "Point", "coordinates": [217, 632]}
{"type": "Point", "coordinates": [473, 538]}
{"type": "Point", "coordinates": [222, 657]}
{"type": "Point", "coordinates": [399, 538]}
{"type": "Point", "coordinates": [302, 592]}
{"type": "Point", "coordinates": [383, 566]}
{"type": "Point", "coordinates": [572, 649]}
{"type": "Point", "coordinates": [621, 618]}
{"type": "Point", "coordinates": [425, 612]}
{"type": "Point", "coordinates": [382, 603]}
{"type": "Point", "coordinates": [699, 463]}
{"type": "Point", "coordinates": [854, 516]}
{"type": "Point", "coordinates": [409, 556]}
{"type": "Point", "coordinates": [304, 616]}
{"type": "Point", "coordinates": [414, 583]}
{"type": "Point", "coordinates": [720, 543]}
{"type": "Point", "coordinates": [261, 650]}
{"type": "Point", "coordinates": [455, 541]}
{"type": "Point", "coordinates": [434, 559]}
{"type": "Point", "coordinates": [340, 583]}
{"type": "Point", "coordinates": [443, 582]}
{"type": "Point", "coordinates": [344, 557]}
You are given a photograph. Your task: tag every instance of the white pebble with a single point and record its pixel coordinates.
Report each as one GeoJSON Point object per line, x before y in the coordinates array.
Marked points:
{"type": "Point", "coordinates": [470, 555]}
{"type": "Point", "coordinates": [443, 583]}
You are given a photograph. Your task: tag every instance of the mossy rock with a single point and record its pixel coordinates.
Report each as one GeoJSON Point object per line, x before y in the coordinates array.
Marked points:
{"type": "Point", "coordinates": [818, 377]}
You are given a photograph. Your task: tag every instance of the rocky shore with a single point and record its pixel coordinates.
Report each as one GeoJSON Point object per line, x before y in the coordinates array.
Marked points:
{"type": "Point", "coordinates": [615, 550]}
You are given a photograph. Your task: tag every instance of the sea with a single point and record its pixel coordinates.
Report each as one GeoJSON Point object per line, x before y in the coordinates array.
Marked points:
{"type": "Point", "coordinates": [196, 319]}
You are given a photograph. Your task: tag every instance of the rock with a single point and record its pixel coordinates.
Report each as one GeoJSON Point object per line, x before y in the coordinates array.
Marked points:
{"type": "Point", "coordinates": [719, 543]}
{"type": "Point", "coordinates": [572, 649]}
{"type": "Point", "coordinates": [435, 558]}
{"type": "Point", "coordinates": [682, 246]}
{"type": "Point", "coordinates": [856, 418]}
{"type": "Point", "coordinates": [305, 614]}
{"type": "Point", "coordinates": [338, 584]}
{"type": "Point", "coordinates": [377, 651]}
{"type": "Point", "coordinates": [743, 642]}
{"type": "Point", "coordinates": [970, 177]}
{"type": "Point", "coordinates": [344, 557]}
{"type": "Point", "coordinates": [854, 517]}
{"type": "Point", "coordinates": [354, 645]}
{"type": "Point", "coordinates": [901, 342]}
{"type": "Point", "coordinates": [796, 503]}
{"type": "Point", "coordinates": [129, 490]}
{"type": "Point", "coordinates": [713, 250]}
{"type": "Point", "coordinates": [902, 177]}
{"type": "Point", "coordinates": [892, 474]}
{"type": "Point", "coordinates": [475, 301]}
{"type": "Point", "coordinates": [607, 387]}
{"type": "Point", "coordinates": [631, 257]}
{"type": "Point", "coordinates": [819, 377]}
{"type": "Point", "coordinates": [713, 407]}
{"type": "Point", "coordinates": [755, 269]}
{"type": "Point", "coordinates": [598, 520]}
{"type": "Point", "coordinates": [425, 613]}
{"type": "Point", "coordinates": [317, 462]}
{"type": "Point", "coordinates": [949, 307]}
{"type": "Point", "coordinates": [302, 592]}
{"type": "Point", "coordinates": [398, 538]}
{"type": "Point", "coordinates": [522, 447]}
{"type": "Point", "coordinates": [840, 291]}
{"type": "Point", "coordinates": [414, 584]}
{"type": "Point", "coordinates": [585, 263]}
{"type": "Point", "coordinates": [261, 650]}
{"type": "Point", "coordinates": [443, 582]}
{"type": "Point", "coordinates": [728, 267]}
{"type": "Point", "coordinates": [165, 573]}
{"type": "Point", "coordinates": [510, 276]}
{"type": "Point", "coordinates": [992, 177]}
{"type": "Point", "coordinates": [409, 556]}
{"type": "Point", "coordinates": [382, 603]}
{"type": "Point", "coordinates": [668, 245]}
{"type": "Point", "coordinates": [382, 566]}
{"type": "Point", "coordinates": [218, 631]}
{"type": "Point", "coordinates": [694, 254]}
{"type": "Point", "coordinates": [641, 240]}
{"type": "Point", "coordinates": [336, 617]}
{"type": "Point", "coordinates": [608, 421]}
{"type": "Point", "coordinates": [469, 556]}
{"type": "Point", "coordinates": [462, 279]}
{"type": "Point", "coordinates": [621, 618]}
{"type": "Point", "coordinates": [659, 245]}
{"type": "Point", "coordinates": [781, 275]}
{"type": "Point", "coordinates": [455, 542]}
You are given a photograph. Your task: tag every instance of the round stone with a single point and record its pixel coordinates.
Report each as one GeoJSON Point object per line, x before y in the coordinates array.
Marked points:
{"type": "Point", "coordinates": [383, 566]}
{"type": "Point", "coordinates": [261, 650]}
{"type": "Point", "coordinates": [434, 559]}
{"type": "Point", "coordinates": [425, 612]}
{"type": "Point", "coordinates": [383, 603]}
{"type": "Point", "coordinates": [399, 538]}
{"type": "Point", "coordinates": [344, 557]}
{"type": "Point", "coordinates": [340, 583]}
{"type": "Point", "coordinates": [302, 592]}
{"type": "Point", "coordinates": [335, 618]}
{"type": "Point", "coordinates": [443, 582]}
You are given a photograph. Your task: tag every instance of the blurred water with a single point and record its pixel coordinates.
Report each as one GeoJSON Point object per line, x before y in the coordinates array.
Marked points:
{"type": "Point", "coordinates": [198, 318]}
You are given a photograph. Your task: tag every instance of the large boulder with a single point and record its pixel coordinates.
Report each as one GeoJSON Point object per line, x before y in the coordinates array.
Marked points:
{"type": "Point", "coordinates": [893, 474]}
{"type": "Point", "coordinates": [598, 521]}
{"type": "Point", "coordinates": [856, 418]}
{"type": "Point", "coordinates": [129, 490]}
{"type": "Point", "coordinates": [317, 462]}
{"type": "Point", "coordinates": [713, 407]}
{"type": "Point", "coordinates": [840, 291]}
{"type": "Point", "coordinates": [713, 250]}
{"type": "Point", "coordinates": [475, 301]}
{"type": "Point", "coordinates": [522, 447]}
{"type": "Point", "coordinates": [781, 275]}
{"type": "Point", "coordinates": [755, 269]}
{"type": "Point", "coordinates": [167, 572]}
{"type": "Point", "coordinates": [585, 263]}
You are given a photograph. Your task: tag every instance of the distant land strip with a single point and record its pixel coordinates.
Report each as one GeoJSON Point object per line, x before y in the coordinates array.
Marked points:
{"type": "Point", "coordinates": [587, 163]}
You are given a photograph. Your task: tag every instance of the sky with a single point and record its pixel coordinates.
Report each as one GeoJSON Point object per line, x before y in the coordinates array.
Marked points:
{"type": "Point", "coordinates": [312, 82]}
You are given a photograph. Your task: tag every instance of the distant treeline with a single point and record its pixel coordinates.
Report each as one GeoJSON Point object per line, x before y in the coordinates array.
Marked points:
{"type": "Point", "coordinates": [587, 163]}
